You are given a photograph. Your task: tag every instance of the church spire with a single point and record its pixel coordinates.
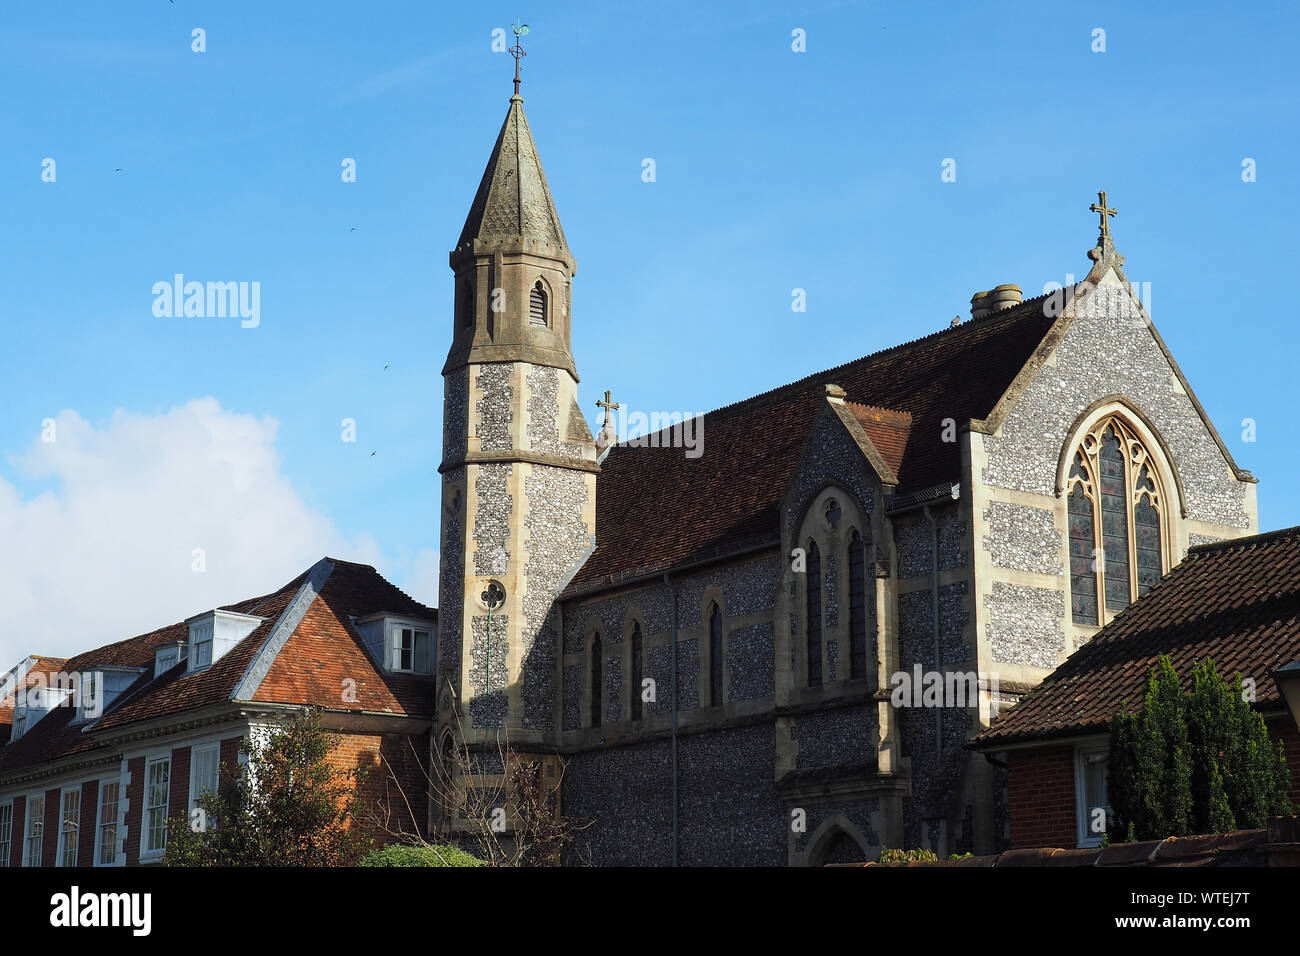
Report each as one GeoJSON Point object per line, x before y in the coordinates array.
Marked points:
{"type": "Point", "coordinates": [513, 201]}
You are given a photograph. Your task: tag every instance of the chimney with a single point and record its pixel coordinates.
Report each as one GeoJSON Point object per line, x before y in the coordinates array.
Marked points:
{"type": "Point", "coordinates": [986, 303]}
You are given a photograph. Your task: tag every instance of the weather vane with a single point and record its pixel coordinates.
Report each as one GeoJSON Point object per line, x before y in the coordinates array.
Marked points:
{"type": "Point", "coordinates": [517, 51]}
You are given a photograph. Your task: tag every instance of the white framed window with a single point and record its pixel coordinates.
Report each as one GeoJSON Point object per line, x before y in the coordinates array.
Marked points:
{"type": "Point", "coordinates": [1093, 814]}
{"type": "Point", "coordinates": [35, 830]}
{"type": "Point", "coordinates": [106, 823]}
{"type": "Point", "coordinates": [69, 826]}
{"type": "Point", "coordinates": [204, 760]}
{"type": "Point", "coordinates": [201, 656]}
{"type": "Point", "coordinates": [6, 831]}
{"type": "Point", "coordinates": [165, 659]}
{"type": "Point", "coordinates": [157, 793]}
{"type": "Point", "coordinates": [412, 650]}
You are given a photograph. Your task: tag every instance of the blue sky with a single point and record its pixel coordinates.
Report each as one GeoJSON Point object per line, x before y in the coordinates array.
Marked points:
{"type": "Point", "coordinates": [774, 170]}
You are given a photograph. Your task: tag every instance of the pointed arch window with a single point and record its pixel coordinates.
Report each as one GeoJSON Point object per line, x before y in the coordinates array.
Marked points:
{"type": "Point", "coordinates": [537, 305]}
{"type": "Point", "coordinates": [857, 606]}
{"type": "Point", "coordinates": [637, 670]}
{"type": "Point", "coordinates": [597, 677]}
{"type": "Point", "coordinates": [814, 613]}
{"type": "Point", "coordinates": [715, 655]}
{"type": "Point", "coordinates": [1116, 512]}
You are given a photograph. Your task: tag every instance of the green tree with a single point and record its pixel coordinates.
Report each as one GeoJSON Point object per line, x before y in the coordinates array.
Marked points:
{"type": "Point", "coordinates": [1194, 762]}
{"type": "Point", "coordinates": [287, 806]}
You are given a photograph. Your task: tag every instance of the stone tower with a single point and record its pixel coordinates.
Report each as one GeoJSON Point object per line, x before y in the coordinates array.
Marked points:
{"type": "Point", "coordinates": [519, 463]}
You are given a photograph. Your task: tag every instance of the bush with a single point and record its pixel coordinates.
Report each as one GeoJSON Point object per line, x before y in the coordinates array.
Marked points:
{"type": "Point", "coordinates": [399, 854]}
{"type": "Point", "coordinates": [907, 856]}
{"type": "Point", "coordinates": [1195, 762]}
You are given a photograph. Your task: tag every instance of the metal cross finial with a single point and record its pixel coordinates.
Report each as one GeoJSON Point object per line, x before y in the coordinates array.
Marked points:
{"type": "Point", "coordinates": [609, 405]}
{"type": "Point", "coordinates": [1103, 212]}
{"type": "Point", "coordinates": [517, 51]}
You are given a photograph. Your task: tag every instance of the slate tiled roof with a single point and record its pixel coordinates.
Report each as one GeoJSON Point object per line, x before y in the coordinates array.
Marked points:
{"type": "Point", "coordinates": [657, 509]}
{"type": "Point", "coordinates": [1237, 602]}
{"type": "Point", "coordinates": [323, 650]}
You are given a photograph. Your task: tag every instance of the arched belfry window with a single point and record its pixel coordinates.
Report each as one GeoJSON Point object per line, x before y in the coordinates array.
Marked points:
{"type": "Point", "coordinates": [537, 305]}
{"type": "Point", "coordinates": [715, 655]}
{"type": "Point", "coordinates": [637, 670]}
{"type": "Point", "coordinates": [597, 677]}
{"type": "Point", "coordinates": [1116, 512]}
{"type": "Point", "coordinates": [814, 614]}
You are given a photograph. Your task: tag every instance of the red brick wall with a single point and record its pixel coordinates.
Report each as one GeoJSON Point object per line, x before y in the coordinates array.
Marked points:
{"type": "Point", "coordinates": [178, 797]}
{"type": "Point", "coordinates": [134, 810]}
{"type": "Point", "coordinates": [89, 814]}
{"type": "Point", "coordinates": [1041, 796]}
{"type": "Point", "coordinates": [53, 814]}
{"type": "Point", "coordinates": [1285, 731]}
{"type": "Point", "coordinates": [17, 832]}
{"type": "Point", "coordinates": [391, 783]}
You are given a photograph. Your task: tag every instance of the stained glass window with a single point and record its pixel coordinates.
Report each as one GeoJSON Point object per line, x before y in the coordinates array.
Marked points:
{"type": "Point", "coordinates": [1114, 503]}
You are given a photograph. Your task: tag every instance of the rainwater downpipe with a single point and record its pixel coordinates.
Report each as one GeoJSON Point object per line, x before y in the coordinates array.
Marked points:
{"type": "Point", "coordinates": [672, 593]}
{"type": "Point", "coordinates": [934, 610]}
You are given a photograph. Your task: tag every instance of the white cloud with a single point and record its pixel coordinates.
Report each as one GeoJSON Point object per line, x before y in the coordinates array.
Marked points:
{"type": "Point", "coordinates": [109, 551]}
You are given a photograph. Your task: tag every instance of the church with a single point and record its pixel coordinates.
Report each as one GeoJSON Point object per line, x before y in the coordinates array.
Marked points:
{"type": "Point", "coordinates": [712, 640]}
{"type": "Point", "coordinates": [705, 641]}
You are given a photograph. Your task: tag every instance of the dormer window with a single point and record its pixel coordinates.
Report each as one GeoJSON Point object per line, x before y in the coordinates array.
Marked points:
{"type": "Point", "coordinates": [399, 645]}
{"type": "Point", "coordinates": [202, 637]}
{"type": "Point", "coordinates": [216, 632]}
{"type": "Point", "coordinates": [167, 657]}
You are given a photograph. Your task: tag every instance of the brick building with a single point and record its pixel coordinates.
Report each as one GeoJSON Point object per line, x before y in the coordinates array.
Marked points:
{"type": "Point", "coordinates": [104, 747]}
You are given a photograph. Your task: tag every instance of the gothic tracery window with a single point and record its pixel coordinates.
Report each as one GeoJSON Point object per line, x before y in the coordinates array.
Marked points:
{"type": "Point", "coordinates": [1115, 509]}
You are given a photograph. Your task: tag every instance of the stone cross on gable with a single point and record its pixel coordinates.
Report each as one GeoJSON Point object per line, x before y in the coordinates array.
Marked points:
{"type": "Point", "coordinates": [609, 405]}
{"type": "Point", "coordinates": [1103, 212]}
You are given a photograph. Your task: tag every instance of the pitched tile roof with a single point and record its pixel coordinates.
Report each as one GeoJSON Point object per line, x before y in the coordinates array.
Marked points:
{"type": "Point", "coordinates": [657, 509]}
{"type": "Point", "coordinates": [325, 644]}
{"type": "Point", "coordinates": [1237, 602]}
{"type": "Point", "coordinates": [888, 430]}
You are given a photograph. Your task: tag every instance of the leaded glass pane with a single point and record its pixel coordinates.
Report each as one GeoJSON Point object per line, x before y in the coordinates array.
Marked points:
{"type": "Point", "coordinates": [1083, 581]}
{"type": "Point", "coordinates": [1114, 520]}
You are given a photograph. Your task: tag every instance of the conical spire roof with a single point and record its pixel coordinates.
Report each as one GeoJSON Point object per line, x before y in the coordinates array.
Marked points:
{"type": "Point", "coordinates": [513, 201]}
